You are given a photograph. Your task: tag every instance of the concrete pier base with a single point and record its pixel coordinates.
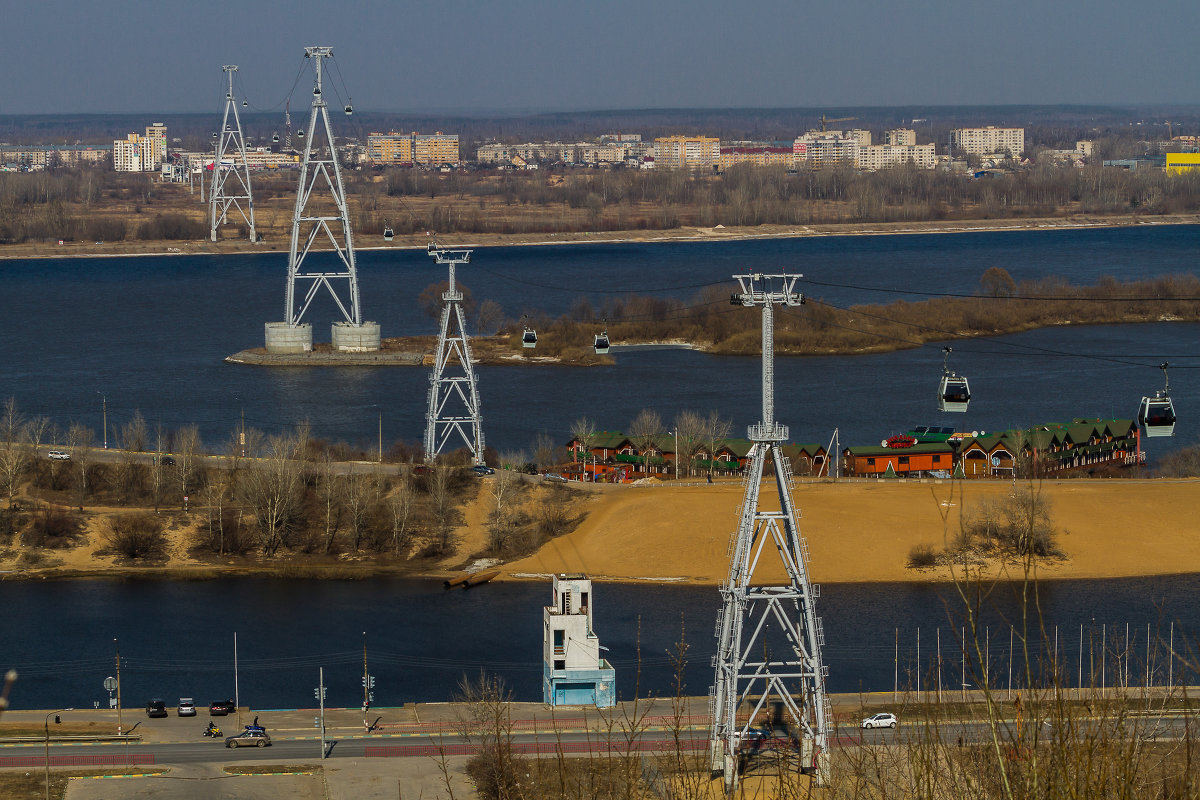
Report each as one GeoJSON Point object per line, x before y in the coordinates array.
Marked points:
{"type": "Point", "coordinates": [285, 338]}
{"type": "Point", "coordinates": [348, 338]}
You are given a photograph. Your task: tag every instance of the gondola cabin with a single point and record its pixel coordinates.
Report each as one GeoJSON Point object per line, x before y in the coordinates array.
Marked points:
{"type": "Point", "coordinates": [388, 234]}
{"type": "Point", "coordinates": [529, 338]}
{"type": "Point", "coordinates": [1157, 415]}
{"type": "Point", "coordinates": [954, 394]}
{"type": "Point", "coordinates": [601, 344]}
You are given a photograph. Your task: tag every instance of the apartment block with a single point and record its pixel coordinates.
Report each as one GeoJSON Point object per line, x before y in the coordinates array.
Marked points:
{"type": "Point", "coordinates": [982, 141]}
{"type": "Point", "coordinates": [49, 156]}
{"type": "Point", "coordinates": [687, 152]}
{"type": "Point", "coordinates": [900, 137]}
{"type": "Point", "coordinates": [883, 156]}
{"type": "Point", "coordinates": [817, 150]}
{"type": "Point", "coordinates": [132, 154]}
{"type": "Point", "coordinates": [156, 134]}
{"type": "Point", "coordinates": [434, 149]}
{"type": "Point", "coordinates": [759, 156]}
{"type": "Point", "coordinates": [390, 148]}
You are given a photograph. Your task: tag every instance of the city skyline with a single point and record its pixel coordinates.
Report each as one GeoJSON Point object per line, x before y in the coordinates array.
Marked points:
{"type": "Point", "coordinates": [530, 55]}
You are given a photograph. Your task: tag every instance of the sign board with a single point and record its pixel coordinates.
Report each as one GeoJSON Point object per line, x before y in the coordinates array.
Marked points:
{"type": "Point", "coordinates": [110, 684]}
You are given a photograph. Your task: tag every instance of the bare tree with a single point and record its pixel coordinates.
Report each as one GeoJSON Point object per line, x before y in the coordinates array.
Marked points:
{"type": "Point", "coordinates": [583, 431]}
{"type": "Point", "coordinates": [360, 491]}
{"type": "Point", "coordinates": [716, 431]}
{"type": "Point", "coordinates": [37, 428]}
{"type": "Point", "coordinates": [13, 455]}
{"type": "Point", "coordinates": [644, 431]}
{"type": "Point", "coordinates": [489, 318]}
{"type": "Point", "coordinates": [443, 508]}
{"type": "Point", "coordinates": [131, 440]}
{"type": "Point", "coordinates": [504, 487]}
{"type": "Point", "coordinates": [401, 504]}
{"type": "Point", "coordinates": [80, 437]}
{"type": "Point", "coordinates": [158, 470]}
{"type": "Point", "coordinates": [543, 450]}
{"type": "Point", "coordinates": [690, 431]}
{"type": "Point", "coordinates": [329, 491]}
{"type": "Point", "coordinates": [271, 488]}
{"type": "Point", "coordinates": [134, 434]}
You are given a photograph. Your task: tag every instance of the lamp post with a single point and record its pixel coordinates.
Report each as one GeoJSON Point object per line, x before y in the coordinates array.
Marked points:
{"type": "Point", "coordinates": [104, 411]}
{"type": "Point", "coordinates": [676, 432]}
{"type": "Point", "coordinates": [57, 720]}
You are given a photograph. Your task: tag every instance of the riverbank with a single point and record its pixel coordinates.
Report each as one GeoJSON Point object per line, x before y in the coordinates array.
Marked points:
{"type": "Point", "coordinates": [672, 235]}
{"type": "Point", "coordinates": [857, 532]}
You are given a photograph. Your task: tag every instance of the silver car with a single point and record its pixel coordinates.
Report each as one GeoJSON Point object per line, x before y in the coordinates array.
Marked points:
{"type": "Point", "coordinates": [248, 739]}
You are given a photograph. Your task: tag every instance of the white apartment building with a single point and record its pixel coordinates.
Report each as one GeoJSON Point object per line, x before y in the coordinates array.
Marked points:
{"type": "Point", "coordinates": [817, 150]}
{"type": "Point", "coordinates": [134, 153]}
{"type": "Point", "coordinates": [157, 134]}
{"type": "Point", "coordinates": [983, 141]}
{"type": "Point", "coordinates": [883, 156]}
{"type": "Point", "coordinates": [901, 137]}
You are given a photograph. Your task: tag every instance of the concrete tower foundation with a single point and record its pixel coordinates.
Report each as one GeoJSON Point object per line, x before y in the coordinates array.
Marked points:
{"type": "Point", "coordinates": [349, 338]}
{"type": "Point", "coordinates": [284, 338]}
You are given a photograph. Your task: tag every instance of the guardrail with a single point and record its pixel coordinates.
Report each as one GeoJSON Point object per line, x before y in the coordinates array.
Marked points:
{"type": "Point", "coordinates": [122, 760]}
{"type": "Point", "coordinates": [539, 748]}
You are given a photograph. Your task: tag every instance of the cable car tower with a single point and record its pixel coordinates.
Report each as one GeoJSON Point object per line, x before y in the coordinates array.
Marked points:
{"type": "Point", "coordinates": [768, 664]}
{"type": "Point", "coordinates": [230, 141]}
{"type": "Point", "coordinates": [321, 177]}
{"type": "Point", "coordinates": [460, 387]}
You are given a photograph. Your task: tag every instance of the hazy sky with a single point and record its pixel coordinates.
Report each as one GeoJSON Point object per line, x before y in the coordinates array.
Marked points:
{"type": "Point", "coordinates": [67, 56]}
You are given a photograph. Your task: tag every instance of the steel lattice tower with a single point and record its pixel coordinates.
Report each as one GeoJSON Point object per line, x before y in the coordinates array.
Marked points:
{"type": "Point", "coordinates": [768, 657]}
{"type": "Point", "coordinates": [230, 140]}
{"type": "Point", "coordinates": [324, 174]}
{"type": "Point", "coordinates": [440, 424]}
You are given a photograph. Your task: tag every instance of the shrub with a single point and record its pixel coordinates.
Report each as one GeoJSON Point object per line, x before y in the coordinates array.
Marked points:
{"type": "Point", "coordinates": [136, 536]}
{"type": "Point", "coordinates": [53, 527]}
{"type": "Point", "coordinates": [922, 556]}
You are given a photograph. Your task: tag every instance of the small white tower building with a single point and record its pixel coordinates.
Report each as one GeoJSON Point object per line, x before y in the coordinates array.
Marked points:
{"type": "Point", "coordinates": [574, 673]}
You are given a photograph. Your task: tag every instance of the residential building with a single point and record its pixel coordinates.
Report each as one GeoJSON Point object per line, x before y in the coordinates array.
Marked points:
{"type": "Point", "coordinates": [982, 141]}
{"type": "Point", "coordinates": [435, 149]}
{"type": "Point", "coordinates": [574, 673]}
{"type": "Point", "coordinates": [390, 148]}
{"type": "Point", "coordinates": [883, 156]}
{"type": "Point", "coordinates": [900, 137]}
{"type": "Point", "coordinates": [826, 150]}
{"type": "Point", "coordinates": [687, 152]}
{"type": "Point", "coordinates": [48, 156]}
{"type": "Point", "coordinates": [156, 135]}
{"type": "Point", "coordinates": [134, 153]}
{"type": "Point", "coordinates": [758, 155]}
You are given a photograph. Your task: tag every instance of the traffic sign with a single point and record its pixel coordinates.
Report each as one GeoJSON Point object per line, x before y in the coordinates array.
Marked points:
{"type": "Point", "coordinates": [110, 684]}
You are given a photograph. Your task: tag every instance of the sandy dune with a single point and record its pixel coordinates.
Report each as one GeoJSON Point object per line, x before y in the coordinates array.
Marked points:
{"type": "Point", "coordinates": [864, 531]}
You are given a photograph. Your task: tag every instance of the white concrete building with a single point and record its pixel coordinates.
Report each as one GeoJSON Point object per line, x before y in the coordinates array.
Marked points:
{"type": "Point", "coordinates": [574, 672]}
{"type": "Point", "coordinates": [883, 156]}
{"type": "Point", "coordinates": [901, 137]}
{"type": "Point", "coordinates": [982, 141]}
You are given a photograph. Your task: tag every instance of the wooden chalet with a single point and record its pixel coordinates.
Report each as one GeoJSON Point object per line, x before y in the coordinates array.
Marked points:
{"type": "Point", "coordinates": [614, 456]}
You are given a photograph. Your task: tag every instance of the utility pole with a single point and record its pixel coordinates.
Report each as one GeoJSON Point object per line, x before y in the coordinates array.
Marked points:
{"type": "Point", "coordinates": [320, 693]}
{"type": "Point", "coordinates": [380, 437]}
{"type": "Point", "coordinates": [368, 682]}
{"type": "Point", "coordinates": [237, 699]}
{"type": "Point", "coordinates": [117, 644]}
{"type": "Point", "coordinates": [104, 411]}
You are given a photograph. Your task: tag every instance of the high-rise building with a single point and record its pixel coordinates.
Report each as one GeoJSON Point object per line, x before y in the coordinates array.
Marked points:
{"type": "Point", "coordinates": [156, 136]}
{"type": "Point", "coordinates": [984, 141]}
{"type": "Point", "coordinates": [390, 148]}
{"type": "Point", "coordinates": [134, 153]}
{"type": "Point", "coordinates": [882, 156]}
{"type": "Point", "coordinates": [687, 152]}
{"type": "Point", "coordinates": [435, 149]}
{"type": "Point", "coordinates": [817, 150]}
{"type": "Point", "coordinates": [901, 137]}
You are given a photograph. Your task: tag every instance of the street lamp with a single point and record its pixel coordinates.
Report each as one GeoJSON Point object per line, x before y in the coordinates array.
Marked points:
{"type": "Point", "coordinates": [57, 720]}
{"type": "Point", "coordinates": [104, 407]}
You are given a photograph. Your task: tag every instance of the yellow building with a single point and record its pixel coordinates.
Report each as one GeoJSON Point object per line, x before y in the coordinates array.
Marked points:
{"type": "Point", "coordinates": [390, 148]}
{"type": "Point", "coordinates": [758, 156]}
{"type": "Point", "coordinates": [1182, 162]}
{"type": "Point", "coordinates": [435, 149]}
{"type": "Point", "coordinates": [687, 152]}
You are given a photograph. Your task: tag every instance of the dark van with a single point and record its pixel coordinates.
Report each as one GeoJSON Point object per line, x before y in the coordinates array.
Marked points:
{"type": "Point", "coordinates": [156, 708]}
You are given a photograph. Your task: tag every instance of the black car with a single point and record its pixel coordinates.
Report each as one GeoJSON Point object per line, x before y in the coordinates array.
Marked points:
{"type": "Point", "coordinates": [220, 708]}
{"type": "Point", "coordinates": [156, 708]}
{"type": "Point", "coordinates": [167, 461]}
{"type": "Point", "coordinates": [481, 470]}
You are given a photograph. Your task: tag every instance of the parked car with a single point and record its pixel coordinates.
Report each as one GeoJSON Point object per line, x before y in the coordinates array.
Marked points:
{"type": "Point", "coordinates": [883, 720]}
{"type": "Point", "coordinates": [481, 470]}
{"type": "Point", "coordinates": [168, 461]}
{"type": "Point", "coordinates": [220, 708]}
{"type": "Point", "coordinates": [554, 477]}
{"type": "Point", "coordinates": [58, 455]}
{"type": "Point", "coordinates": [186, 707]}
{"type": "Point", "coordinates": [250, 737]}
{"type": "Point", "coordinates": [156, 708]}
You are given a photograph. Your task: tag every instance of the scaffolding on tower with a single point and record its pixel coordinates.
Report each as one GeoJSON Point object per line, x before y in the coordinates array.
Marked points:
{"type": "Point", "coordinates": [228, 143]}
{"type": "Point", "coordinates": [769, 676]}
{"type": "Point", "coordinates": [453, 410]}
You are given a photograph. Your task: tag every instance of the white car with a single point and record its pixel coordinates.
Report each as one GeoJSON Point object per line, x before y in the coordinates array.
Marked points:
{"type": "Point", "coordinates": [880, 721]}
{"type": "Point", "coordinates": [186, 707]}
{"type": "Point", "coordinates": [58, 455]}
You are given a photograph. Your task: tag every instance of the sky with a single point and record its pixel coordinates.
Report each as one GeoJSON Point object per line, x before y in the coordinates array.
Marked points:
{"type": "Point", "coordinates": [482, 56]}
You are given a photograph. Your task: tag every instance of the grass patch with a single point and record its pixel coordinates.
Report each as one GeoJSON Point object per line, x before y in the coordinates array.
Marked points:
{"type": "Point", "coordinates": [273, 769]}
{"type": "Point", "coordinates": [30, 783]}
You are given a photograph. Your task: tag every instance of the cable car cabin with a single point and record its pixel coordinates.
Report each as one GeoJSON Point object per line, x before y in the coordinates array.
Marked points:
{"type": "Point", "coordinates": [601, 344]}
{"type": "Point", "coordinates": [529, 338]}
{"type": "Point", "coordinates": [388, 234]}
{"type": "Point", "coordinates": [954, 394]}
{"type": "Point", "coordinates": [1157, 416]}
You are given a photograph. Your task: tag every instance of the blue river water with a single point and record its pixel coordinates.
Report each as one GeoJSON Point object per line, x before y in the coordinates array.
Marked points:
{"type": "Point", "coordinates": [150, 334]}
{"type": "Point", "coordinates": [177, 639]}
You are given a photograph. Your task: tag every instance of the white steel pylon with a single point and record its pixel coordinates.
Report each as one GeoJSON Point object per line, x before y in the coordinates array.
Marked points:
{"type": "Point", "coordinates": [229, 141]}
{"type": "Point", "coordinates": [325, 173]}
{"type": "Point", "coordinates": [463, 418]}
{"type": "Point", "coordinates": [768, 662]}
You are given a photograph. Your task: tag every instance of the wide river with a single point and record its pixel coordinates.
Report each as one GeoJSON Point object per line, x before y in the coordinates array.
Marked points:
{"type": "Point", "coordinates": [150, 334]}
